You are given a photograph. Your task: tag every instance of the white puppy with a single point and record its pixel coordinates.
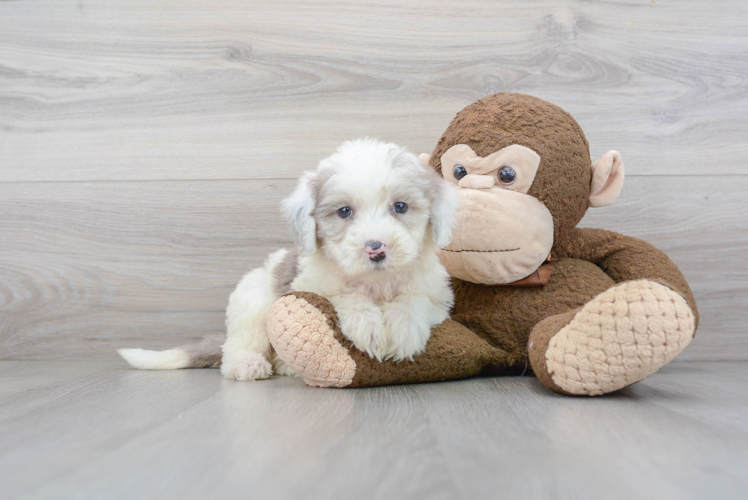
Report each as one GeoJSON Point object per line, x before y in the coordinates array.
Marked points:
{"type": "Point", "coordinates": [367, 225]}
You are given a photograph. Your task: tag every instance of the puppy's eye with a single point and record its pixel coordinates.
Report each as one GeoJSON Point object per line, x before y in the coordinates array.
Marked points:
{"type": "Point", "coordinates": [400, 207]}
{"type": "Point", "coordinates": [459, 172]}
{"type": "Point", "coordinates": [345, 212]}
{"type": "Point", "coordinates": [507, 175]}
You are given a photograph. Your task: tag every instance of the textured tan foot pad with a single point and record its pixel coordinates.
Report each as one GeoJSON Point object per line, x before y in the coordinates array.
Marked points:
{"type": "Point", "coordinates": [302, 336]}
{"type": "Point", "coordinates": [620, 337]}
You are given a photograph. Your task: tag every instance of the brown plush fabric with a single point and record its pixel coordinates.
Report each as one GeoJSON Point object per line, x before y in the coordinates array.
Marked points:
{"type": "Point", "coordinates": [624, 258]}
{"type": "Point", "coordinates": [539, 338]}
{"type": "Point", "coordinates": [505, 316]}
{"type": "Point", "coordinates": [500, 120]}
{"type": "Point", "coordinates": [453, 352]}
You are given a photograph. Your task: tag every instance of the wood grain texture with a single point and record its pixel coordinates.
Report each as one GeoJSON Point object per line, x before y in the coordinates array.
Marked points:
{"type": "Point", "coordinates": [144, 147]}
{"type": "Point", "coordinates": [100, 430]}
{"type": "Point", "coordinates": [100, 265]}
{"type": "Point", "coordinates": [142, 90]}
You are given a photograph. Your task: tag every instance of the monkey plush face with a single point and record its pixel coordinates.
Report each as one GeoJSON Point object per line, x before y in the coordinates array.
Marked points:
{"type": "Point", "coordinates": [493, 194]}
{"type": "Point", "coordinates": [524, 177]}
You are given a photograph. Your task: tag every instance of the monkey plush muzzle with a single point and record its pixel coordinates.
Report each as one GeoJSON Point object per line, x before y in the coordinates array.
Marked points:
{"type": "Point", "coordinates": [520, 243]}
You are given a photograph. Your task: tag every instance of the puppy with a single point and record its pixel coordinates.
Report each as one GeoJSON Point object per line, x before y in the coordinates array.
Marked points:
{"type": "Point", "coordinates": [367, 224]}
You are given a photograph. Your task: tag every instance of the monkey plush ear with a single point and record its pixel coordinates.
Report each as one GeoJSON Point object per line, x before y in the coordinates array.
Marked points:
{"type": "Point", "coordinates": [607, 179]}
{"type": "Point", "coordinates": [298, 210]}
{"type": "Point", "coordinates": [425, 159]}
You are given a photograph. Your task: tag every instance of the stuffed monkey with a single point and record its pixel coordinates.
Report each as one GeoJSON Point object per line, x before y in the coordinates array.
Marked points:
{"type": "Point", "coordinates": [589, 311]}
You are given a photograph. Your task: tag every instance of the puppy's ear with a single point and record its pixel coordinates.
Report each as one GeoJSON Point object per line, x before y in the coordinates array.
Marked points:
{"type": "Point", "coordinates": [443, 211]}
{"type": "Point", "coordinates": [298, 209]}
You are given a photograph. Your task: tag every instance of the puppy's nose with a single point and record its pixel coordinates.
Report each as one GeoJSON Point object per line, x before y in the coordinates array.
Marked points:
{"type": "Point", "coordinates": [376, 250]}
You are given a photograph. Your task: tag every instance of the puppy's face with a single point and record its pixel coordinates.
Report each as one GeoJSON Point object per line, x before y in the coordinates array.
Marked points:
{"type": "Point", "coordinates": [372, 213]}
{"type": "Point", "coordinates": [371, 207]}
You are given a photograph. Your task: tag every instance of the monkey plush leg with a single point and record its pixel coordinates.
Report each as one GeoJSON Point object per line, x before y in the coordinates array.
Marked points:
{"type": "Point", "coordinates": [620, 337]}
{"type": "Point", "coordinates": [304, 332]}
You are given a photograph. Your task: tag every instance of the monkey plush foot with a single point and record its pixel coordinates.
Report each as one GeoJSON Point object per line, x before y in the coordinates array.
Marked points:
{"type": "Point", "coordinates": [303, 329]}
{"type": "Point", "coordinates": [620, 337]}
{"type": "Point", "coordinates": [303, 333]}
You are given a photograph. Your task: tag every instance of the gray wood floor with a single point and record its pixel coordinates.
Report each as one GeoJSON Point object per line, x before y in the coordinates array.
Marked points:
{"type": "Point", "coordinates": [144, 146]}
{"type": "Point", "coordinates": [101, 431]}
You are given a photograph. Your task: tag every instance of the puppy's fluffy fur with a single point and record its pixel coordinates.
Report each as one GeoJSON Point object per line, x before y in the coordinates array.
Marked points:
{"type": "Point", "coordinates": [367, 224]}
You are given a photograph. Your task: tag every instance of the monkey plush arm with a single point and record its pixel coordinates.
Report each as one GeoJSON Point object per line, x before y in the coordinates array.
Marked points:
{"type": "Point", "coordinates": [304, 331]}
{"type": "Point", "coordinates": [624, 258]}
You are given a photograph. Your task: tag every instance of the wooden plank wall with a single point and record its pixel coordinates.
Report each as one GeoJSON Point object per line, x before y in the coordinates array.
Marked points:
{"type": "Point", "coordinates": [144, 146]}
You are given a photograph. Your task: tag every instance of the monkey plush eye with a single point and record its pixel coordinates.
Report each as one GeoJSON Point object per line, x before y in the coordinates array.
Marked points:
{"type": "Point", "coordinates": [459, 172]}
{"type": "Point", "coordinates": [507, 175]}
{"type": "Point", "coordinates": [345, 212]}
{"type": "Point", "coordinates": [400, 207]}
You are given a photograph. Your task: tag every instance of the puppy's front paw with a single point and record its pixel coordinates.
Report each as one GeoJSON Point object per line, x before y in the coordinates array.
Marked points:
{"type": "Point", "coordinates": [245, 365]}
{"type": "Point", "coordinates": [407, 331]}
{"type": "Point", "coordinates": [365, 329]}
{"type": "Point", "coordinates": [281, 368]}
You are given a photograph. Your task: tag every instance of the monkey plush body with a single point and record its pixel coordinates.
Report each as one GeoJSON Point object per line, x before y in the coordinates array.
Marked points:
{"type": "Point", "coordinates": [589, 311]}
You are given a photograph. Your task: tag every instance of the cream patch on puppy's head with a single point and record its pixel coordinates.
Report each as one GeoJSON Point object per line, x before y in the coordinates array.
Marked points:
{"type": "Point", "coordinates": [371, 207]}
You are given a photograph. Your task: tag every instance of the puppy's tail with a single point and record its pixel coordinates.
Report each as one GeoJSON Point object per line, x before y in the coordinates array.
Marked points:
{"type": "Point", "coordinates": [203, 354]}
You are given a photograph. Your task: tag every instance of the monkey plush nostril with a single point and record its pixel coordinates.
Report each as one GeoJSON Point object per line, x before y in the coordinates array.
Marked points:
{"type": "Point", "coordinates": [376, 251]}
